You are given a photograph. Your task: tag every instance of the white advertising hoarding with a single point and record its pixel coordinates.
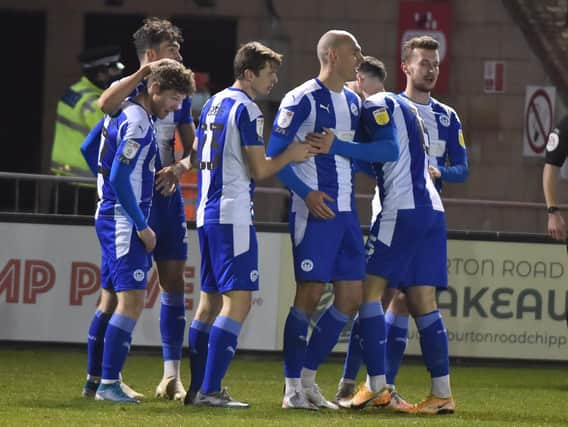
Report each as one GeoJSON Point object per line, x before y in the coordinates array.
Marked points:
{"type": "Point", "coordinates": [49, 286]}
{"type": "Point", "coordinates": [505, 300]}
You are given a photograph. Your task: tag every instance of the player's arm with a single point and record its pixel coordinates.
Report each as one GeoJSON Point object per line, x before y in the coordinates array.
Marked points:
{"type": "Point", "coordinates": [556, 152]}
{"type": "Point", "coordinates": [286, 124]}
{"type": "Point", "coordinates": [110, 100]}
{"type": "Point", "coordinates": [383, 144]}
{"type": "Point", "coordinates": [251, 132]}
{"type": "Point", "coordinates": [458, 170]}
{"type": "Point", "coordinates": [261, 167]}
{"type": "Point", "coordinates": [382, 148]}
{"type": "Point", "coordinates": [123, 167]}
{"type": "Point", "coordinates": [363, 167]}
{"type": "Point", "coordinates": [90, 147]}
{"type": "Point", "coordinates": [168, 177]}
{"type": "Point", "coordinates": [186, 132]}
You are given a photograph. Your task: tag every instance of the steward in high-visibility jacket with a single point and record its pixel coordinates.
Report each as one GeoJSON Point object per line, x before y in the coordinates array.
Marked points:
{"type": "Point", "coordinates": [78, 112]}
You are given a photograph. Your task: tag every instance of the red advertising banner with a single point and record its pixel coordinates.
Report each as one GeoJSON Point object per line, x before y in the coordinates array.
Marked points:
{"type": "Point", "coordinates": [430, 18]}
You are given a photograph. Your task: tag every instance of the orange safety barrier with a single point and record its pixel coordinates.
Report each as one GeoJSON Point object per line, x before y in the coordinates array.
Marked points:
{"type": "Point", "coordinates": [189, 194]}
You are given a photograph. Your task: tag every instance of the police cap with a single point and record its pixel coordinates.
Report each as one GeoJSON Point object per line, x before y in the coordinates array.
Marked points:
{"type": "Point", "coordinates": [106, 56]}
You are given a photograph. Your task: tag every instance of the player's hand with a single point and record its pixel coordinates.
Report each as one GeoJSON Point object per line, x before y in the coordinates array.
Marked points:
{"type": "Point", "coordinates": [154, 64]}
{"type": "Point", "coordinates": [299, 152]}
{"type": "Point", "coordinates": [434, 173]}
{"type": "Point", "coordinates": [150, 66]}
{"type": "Point", "coordinates": [556, 226]}
{"type": "Point", "coordinates": [148, 237]}
{"type": "Point", "coordinates": [315, 201]}
{"type": "Point", "coordinates": [166, 180]}
{"type": "Point", "coordinates": [321, 142]}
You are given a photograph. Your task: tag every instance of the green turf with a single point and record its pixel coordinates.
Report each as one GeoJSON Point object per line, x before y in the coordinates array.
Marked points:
{"type": "Point", "coordinates": [42, 387]}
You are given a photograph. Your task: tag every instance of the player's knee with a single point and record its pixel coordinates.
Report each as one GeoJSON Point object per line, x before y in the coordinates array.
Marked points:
{"type": "Point", "coordinates": [107, 303]}
{"type": "Point", "coordinates": [308, 297]}
{"type": "Point", "coordinates": [398, 305]}
{"type": "Point", "coordinates": [173, 285]}
{"type": "Point", "coordinates": [349, 304]}
{"type": "Point", "coordinates": [207, 313]}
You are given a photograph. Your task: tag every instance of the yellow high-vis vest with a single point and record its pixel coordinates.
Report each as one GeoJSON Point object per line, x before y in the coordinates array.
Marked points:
{"type": "Point", "coordinates": [77, 114]}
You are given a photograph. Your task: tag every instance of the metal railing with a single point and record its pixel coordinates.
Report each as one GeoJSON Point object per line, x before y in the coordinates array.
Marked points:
{"type": "Point", "coordinates": [46, 195]}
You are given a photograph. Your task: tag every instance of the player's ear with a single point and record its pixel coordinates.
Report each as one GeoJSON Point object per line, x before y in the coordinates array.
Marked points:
{"type": "Point", "coordinates": [404, 68]}
{"type": "Point", "coordinates": [154, 88]}
{"type": "Point", "coordinates": [151, 55]}
{"type": "Point", "coordinates": [331, 55]}
{"type": "Point", "coordinates": [248, 74]}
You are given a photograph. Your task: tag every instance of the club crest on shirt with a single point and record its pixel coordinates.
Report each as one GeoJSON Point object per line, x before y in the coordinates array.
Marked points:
{"type": "Point", "coordinates": [285, 118]}
{"type": "Point", "coordinates": [354, 109]}
{"type": "Point", "coordinates": [381, 116]}
{"type": "Point", "coordinates": [130, 149]}
{"type": "Point", "coordinates": [553, 141]}
{"type": "Point", "coordinates": [444, 120]}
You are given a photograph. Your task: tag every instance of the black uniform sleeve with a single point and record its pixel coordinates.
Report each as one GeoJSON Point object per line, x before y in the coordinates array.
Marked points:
{"type": "Point", "coordinates": [557, 144]}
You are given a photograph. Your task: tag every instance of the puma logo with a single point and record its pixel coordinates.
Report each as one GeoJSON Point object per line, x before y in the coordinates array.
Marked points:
{"type": "Point", "coordinates": [325, 107]}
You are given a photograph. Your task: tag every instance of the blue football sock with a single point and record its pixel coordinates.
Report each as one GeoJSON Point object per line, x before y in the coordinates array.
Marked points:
{"type": "Point", "coordinates": [354, 356]}
{"type": "Point", "coordinates": [95, 343]}
{"type": "Point", "coordinates": [397, 337]}
{"type": "Point", "coordinates": [434, 343]}
{"type": "Point", "coordinates": [222, 347]}
{"type": "Point", "coordinates": [324, 337]}
{"type": "Point", "coordinates": [295, 342]}
{"type": "Point", "coordinates": [198, 346]}
{"type": "Point", "coordinates": [118, 337]}
{"type": "Point", "coordinates": [372, 324]}
{"type": "Point", "coordinates": [172, 324]}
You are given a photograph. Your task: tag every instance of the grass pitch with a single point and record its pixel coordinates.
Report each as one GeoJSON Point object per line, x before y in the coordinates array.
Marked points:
{"type": "Point", "coordinates": [41, 387]}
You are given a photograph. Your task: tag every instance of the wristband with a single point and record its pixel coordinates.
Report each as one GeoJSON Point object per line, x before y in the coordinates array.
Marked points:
{"type": "Point", "coordinates": [552, 209]}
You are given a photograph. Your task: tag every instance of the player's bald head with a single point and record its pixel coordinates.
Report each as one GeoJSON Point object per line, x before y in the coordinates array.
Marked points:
{"type": "Point", "coordinates": [332, 40]}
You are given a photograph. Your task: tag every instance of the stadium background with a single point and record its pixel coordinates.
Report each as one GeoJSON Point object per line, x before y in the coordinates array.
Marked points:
{"type": "Point", "coordinates": [528, 36]}
{"type": "Point", "coordinates": [42, 39]}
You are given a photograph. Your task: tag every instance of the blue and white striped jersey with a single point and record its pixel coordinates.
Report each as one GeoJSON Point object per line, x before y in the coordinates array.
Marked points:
{"type": "Point", "coordinates": [309, 108]}
{"type": "Point", "coordinates": [127, 152]}
{"type": "Point", "coordinates": [164, 134]}
{"type": "Point", "coordinates": [447, 145]}
{"type": "Point", "coordinates": [229, 121]}
{"type": "Point", "coordinates": [406, 183]}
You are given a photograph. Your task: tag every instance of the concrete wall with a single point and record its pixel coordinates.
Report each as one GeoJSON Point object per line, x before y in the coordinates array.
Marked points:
{"type": "Point", "coordinates": [483, 30]}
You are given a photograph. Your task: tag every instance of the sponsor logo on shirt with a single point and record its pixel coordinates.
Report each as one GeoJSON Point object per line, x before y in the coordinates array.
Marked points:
{"type": "Point", "coordinates": [381, 116]}
{"type": "Point", "coordinates": [130, 149]}
{"type": "Point", "coordinates": [285, 118]}
{"type": "Point", "coordinates": [460, 138]}
{"type": "Point", "coordinates": [260, 127]}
